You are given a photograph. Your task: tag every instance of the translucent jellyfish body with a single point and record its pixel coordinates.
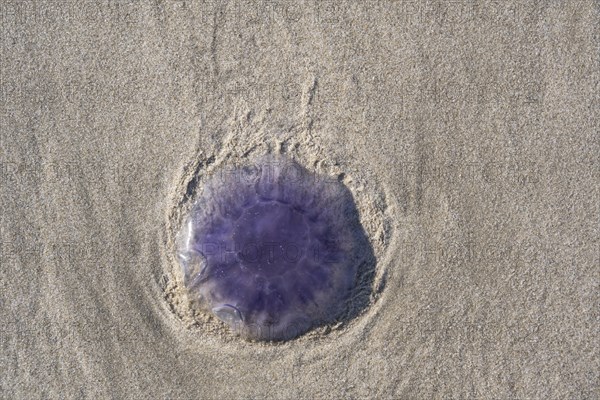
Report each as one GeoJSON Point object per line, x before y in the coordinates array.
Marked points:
{"type": "Point", "coordinates": [270, 249]}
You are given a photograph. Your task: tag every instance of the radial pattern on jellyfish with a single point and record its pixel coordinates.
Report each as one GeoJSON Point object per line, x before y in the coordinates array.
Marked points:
{"type": "Point", "coordinates": [269, 249]}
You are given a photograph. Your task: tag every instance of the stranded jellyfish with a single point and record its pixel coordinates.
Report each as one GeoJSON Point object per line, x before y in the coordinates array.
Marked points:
{"type": "Point", "coordinates": [271, 249]}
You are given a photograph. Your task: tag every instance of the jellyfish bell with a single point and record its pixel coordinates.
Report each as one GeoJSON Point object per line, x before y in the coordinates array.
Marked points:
{"type": "Point", "coordinates": [270, 249]}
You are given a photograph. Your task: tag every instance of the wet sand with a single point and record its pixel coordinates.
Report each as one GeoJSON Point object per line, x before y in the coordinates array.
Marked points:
{"type": "Point", "coordinates": [466, 134]}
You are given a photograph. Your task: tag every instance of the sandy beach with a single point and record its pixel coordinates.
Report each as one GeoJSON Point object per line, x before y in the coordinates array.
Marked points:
{"type": "Point", "coordinates": [466, 132]}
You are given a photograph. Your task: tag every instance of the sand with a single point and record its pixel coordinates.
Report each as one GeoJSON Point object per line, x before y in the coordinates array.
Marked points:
{"type": "Point", "coordinates": [467, 133]}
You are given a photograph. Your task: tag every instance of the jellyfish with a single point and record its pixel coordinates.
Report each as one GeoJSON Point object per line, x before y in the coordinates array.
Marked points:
{"type": "Point", "coordinates": [270, 248]}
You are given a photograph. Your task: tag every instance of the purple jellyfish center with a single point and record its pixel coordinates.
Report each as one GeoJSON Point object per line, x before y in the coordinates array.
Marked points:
{"type": "Point", "coordinates": [271, 237]}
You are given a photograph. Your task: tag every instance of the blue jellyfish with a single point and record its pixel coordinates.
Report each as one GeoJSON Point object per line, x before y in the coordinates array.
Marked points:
{"type": "Point", "coordinates": [271, 249]}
